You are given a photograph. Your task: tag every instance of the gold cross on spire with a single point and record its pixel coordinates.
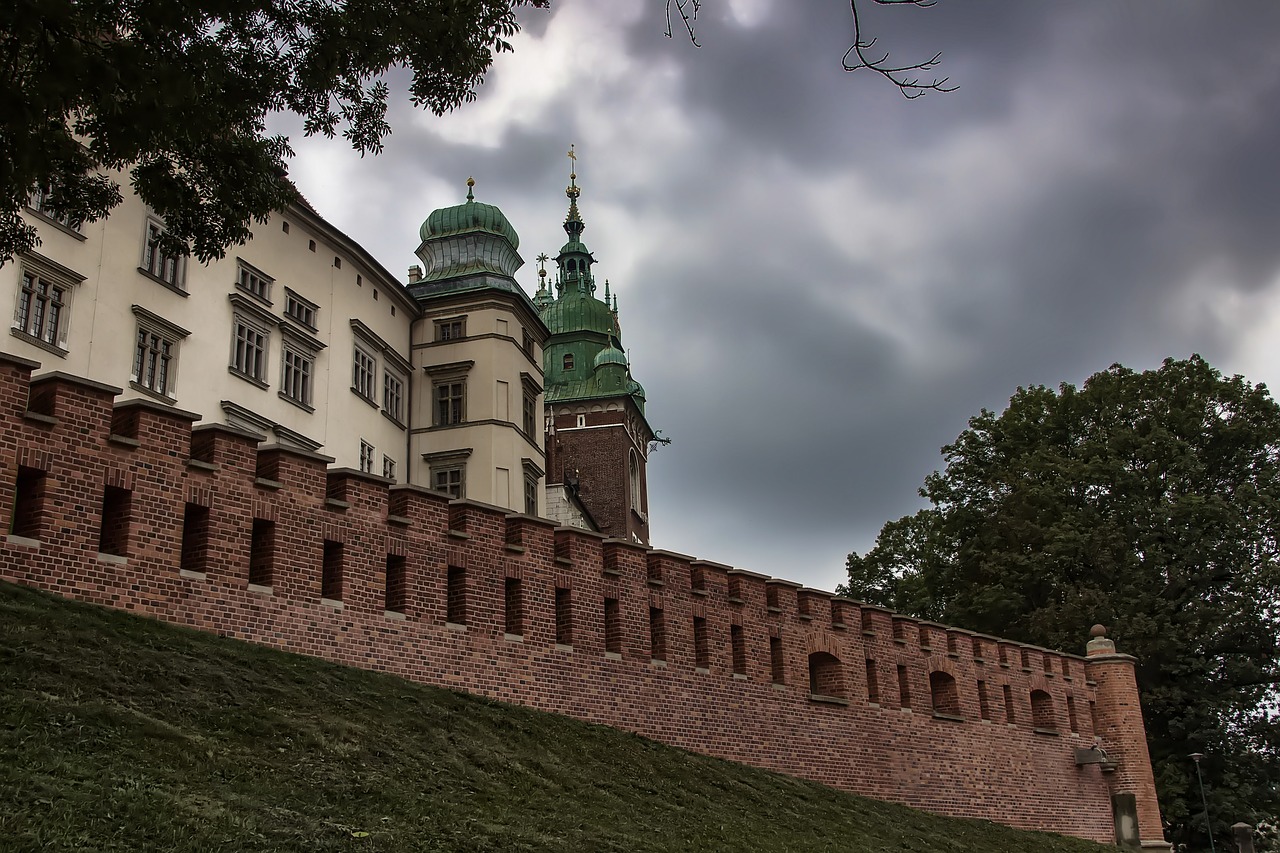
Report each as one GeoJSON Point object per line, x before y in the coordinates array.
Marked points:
{"type": "Point", "coordinates": [573, 170]}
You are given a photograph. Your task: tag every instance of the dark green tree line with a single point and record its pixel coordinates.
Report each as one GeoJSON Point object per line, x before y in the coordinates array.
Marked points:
{"type": "Point", "coordinates": [1149, 502]}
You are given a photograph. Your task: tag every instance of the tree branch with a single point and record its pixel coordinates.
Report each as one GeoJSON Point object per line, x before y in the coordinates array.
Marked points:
{"type": "Point", "coordinates": [902, 76]}
{"type": "Point", "coordinates": [687, 10]}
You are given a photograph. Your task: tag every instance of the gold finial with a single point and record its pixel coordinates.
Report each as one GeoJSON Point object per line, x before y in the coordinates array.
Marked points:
{"type": "Point", "coordinates": [572, 190]}
{"type": "Point", "coordinates": [542, 264]}
{"type": "Point", "coordinates": [471, 182]}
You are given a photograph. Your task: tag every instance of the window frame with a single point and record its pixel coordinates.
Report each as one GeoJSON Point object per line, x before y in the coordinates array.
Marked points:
{"type": "Point", "coordinates": [390, 376]}
{"type": "Point", "coordinates": [170, 333]}
{"type": "Point", "coordinates": [443, 329]}
{"type": "Point", "coordinates": [55, 277]}
{"type": "Point", "coordinates": [246, 270]}
{"type": "Point", "coordinates": [244, 320]}
{"type": "Point", "coordinates": [36, 204]}
{"type": "Point", "coordinates": [364, 374]}
{"type": "Point", "coordinates": [388, 467]}
{"type": "Point", "coordinates": [300, 310]}
{"type": "Point", "coordinates": [367, 454]}
{"type": "Point", "coordinates": [297, 373]}
{"type": "Point", "coordinates": [153, 263]}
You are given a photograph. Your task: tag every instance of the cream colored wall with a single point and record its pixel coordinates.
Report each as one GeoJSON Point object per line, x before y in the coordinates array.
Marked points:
{"type": "Point", "coordinates": [103, 326]}
{"type": "Point", "coordinates": [494, 446]}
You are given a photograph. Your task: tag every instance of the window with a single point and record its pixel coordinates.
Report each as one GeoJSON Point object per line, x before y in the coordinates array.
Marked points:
{"type": "Point", "coordinates": [777, 663]}
{"type": "Point", "coordinates": [513, 607]}
{"type": "Point", "coordinates": [249, 351]}
{"type": "Point", "coordinates": [635, 482]}
{"type": "Point", "coordinates": [529, 413]}
{"type": "Point", "coordinates": [568, 361]}
{"type": "Point", "coordinates": [451, 480]}
{"type": "Point", "coordinates": [366, 457]}
{"type": "Point", "coordinates": [530, 495]}
{"type": "Point", "coordinates": [117, 508]}
{"type": "Point", "coordinates": [904, 687]}
{"type": "Point", "coordinates": [39, 202]}
{"type": "Point", "coordinates": [364, 373]}
{"type": "Point", "coordinates": [873, 683]}
{"type": "Point", "coordinates": [612, 626]}
{"type": "Point", "coordinates": [254, 282]}
{"type": "Point", "coordinates": [826, 677]}
{"type": "Point", "coordinates": [450, 398]}
{"type": "Point", "coordinates": [262, 549]}
{"type": "Point", "coordinates": [300, 309]}
{"type": "Point", "coordinates": [331, 571]}
{"type": "Point", "coordinates": [564, 616]}
{"type": "Point", "coordinates": [397, 587]}
{"type": "Point", "coordinates": [527, 342]}
{"type": "Point", "coordinates": [388, 467]}
{"type": "Point", "coordinates": [42, 310]}
{"type": "Point", "coordinates": [153, 360]}
{"type": "Point", "coordinates": [456, 595]}
{"type": "Point", "coordinates": [156, 262]}
{"type": "Point", "coordinates": [944, 694]}
{"type": "Point", "coordinates": [393, 395]}
{"type": "Point", "coordinates": [295, 380]}
{"type": "Point", "coordinates": [195, 538]}
{"type": "Point", "coordinates": [451, 330]}
{"type": "Point", "coordinates": [738, 646]}
{"type": "Point", "coordinates": [657, 634]}
{"type": "Point", "coordinates": [984, 704]}
{"type": "Point", "coordinates": [701, 645]}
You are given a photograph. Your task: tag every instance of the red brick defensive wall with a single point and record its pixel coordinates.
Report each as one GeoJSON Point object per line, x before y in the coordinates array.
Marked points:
{"type": "Point", "coordinates": [125, 504]}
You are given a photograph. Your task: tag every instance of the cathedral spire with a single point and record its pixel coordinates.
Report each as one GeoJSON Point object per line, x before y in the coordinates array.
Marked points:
{"type": "Point", "coordinates": [573, 223]}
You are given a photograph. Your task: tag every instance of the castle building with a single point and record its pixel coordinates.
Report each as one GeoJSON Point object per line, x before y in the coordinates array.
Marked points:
{"type": "Point", "coordinates": [302, 339]}
{"type": "Point", "coordinates": [597, 435]}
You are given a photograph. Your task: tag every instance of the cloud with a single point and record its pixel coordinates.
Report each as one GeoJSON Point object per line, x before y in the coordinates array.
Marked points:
{"type": "Point", "coordinates": [820, 281]}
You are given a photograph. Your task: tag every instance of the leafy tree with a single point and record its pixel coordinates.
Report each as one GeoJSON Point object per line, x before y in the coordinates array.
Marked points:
{"type": "Point", "coordinates": [1149, 502]}
{"type": "Point", "coordinates": [178, 91]}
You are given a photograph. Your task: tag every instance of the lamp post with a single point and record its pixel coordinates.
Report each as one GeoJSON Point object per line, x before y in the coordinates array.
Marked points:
{"type": "Point", "coordinates": [1196, 756]}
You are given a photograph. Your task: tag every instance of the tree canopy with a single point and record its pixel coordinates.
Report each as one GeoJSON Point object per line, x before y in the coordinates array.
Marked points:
{"type": "Point", "coordinates": [1149, 502]}
{"type": "Point", "coordinates": [178, 92]}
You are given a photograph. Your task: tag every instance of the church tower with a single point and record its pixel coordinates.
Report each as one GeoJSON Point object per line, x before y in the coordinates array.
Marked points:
{"type": "Point", "coordinates": [597, 437]}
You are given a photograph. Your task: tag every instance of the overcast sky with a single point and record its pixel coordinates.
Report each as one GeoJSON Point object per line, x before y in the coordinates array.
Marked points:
{"type": "Point", "coordinates": [819, 281]}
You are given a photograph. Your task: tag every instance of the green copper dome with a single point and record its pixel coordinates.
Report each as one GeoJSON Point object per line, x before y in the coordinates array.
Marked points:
{"type": "Point", "coordinates": [470, 216]}
{"type": "Point", "coordinates": [610, 355]}
{"type": "Point", "coordinates": [578, 312]}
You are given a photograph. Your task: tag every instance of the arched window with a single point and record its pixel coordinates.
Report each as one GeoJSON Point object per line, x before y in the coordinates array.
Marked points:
{"type": "Point", "coordinates": [572, 266]}
{"type": "Point", "coordinates": [946, 696]}
{"type": "Point", "coordinates": [825, 677]}
{"type": "Point", "coordinates": [1042, 716]}
{"type": "Point", "coordinates": [635, 482]}
{"type": "Point", "coordinates": [568, 361]}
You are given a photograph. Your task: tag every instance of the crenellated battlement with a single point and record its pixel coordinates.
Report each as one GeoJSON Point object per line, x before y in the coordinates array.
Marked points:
{"type": "Point", "coordinates": [127, 504]}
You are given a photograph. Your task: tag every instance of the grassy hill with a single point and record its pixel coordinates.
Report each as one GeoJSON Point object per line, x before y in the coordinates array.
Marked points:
{"type": "Point", "coordinates": [119, 733]}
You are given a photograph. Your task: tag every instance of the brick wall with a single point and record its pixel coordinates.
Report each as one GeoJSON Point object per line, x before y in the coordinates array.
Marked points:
{"type": "Point", "coordinates": [598, 456]}
{"type": "Point", "coordinates": [797, 703]}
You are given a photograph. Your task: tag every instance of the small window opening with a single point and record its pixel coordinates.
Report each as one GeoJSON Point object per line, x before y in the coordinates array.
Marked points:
{"type": "Point", "coordinates": [331, 571]}
{"type": "Point", "coordinates": [513, 607]}
{"type": "Point", "coordinates": [284, 226]}
{"type": "Point", "coordinates": [701, 648]}
{"type": "Point", "coordinates": [612, 626]}
{"type": "Point", "coordinates": [904, 687]}
{"type": "Point", "coordinates": [456, 593]}
{"type": "Point", "coordinates": [337, 262]}
{"type": "Point", "coordinates": [1010, 716]}
{"type": "Point", "coordinates": [944, 694]}
{"type": "Point", "coordinates": [738, 641]}
{"type": "Point", "coordinates": [777, 663]}
{"type": "Point", "coordinates": [1071, 715]}
{"type": "Point", "coordinates": [984, 704]}
{"type": "Point", "coordinates": [117, 506]}
{"type": "Point", "coordinates": [29, 501]}
{"type": "Point", "coordinates": [568, 362]}
{"type": "Point", "coordinates": [311, 244]}
{"type": "Point", "coordinates": [1026, 659]}
{"type": "Point", "coordinates": [564, 616]}
{"type": "Point", "coordinates": [825, 678]}
{"type": "Point", "coordinates": [873, 683]}
{"type": "Point", "coordinates": [1042, 716]}
{"type": "Point", "coordinates": [195, 538]}
{"type": "Point", "coordinates": [657, 634]}
{"type": "Point", "coordinates": [397, 583]}
{"type": "Point", "coordinates": [771, 596]}
{"type": "Point", "coordinates": [1093, 718]}
{"type": "Point", "coordinates": [262, 550]}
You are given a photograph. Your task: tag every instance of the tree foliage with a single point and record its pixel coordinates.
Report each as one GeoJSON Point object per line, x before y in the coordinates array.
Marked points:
{"type": "Point", "coordinates": [178, 92]}
{"type": "Point", "coordinates": [1149, 502]}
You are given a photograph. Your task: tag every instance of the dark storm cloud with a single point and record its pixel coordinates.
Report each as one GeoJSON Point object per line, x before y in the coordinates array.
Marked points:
{"type": "Point", "coordinates": [820, 281]}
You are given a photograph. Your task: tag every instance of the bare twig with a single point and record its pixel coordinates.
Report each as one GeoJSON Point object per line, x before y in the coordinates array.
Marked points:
{"type": "Point", "coordinates": [688, 12]}
{"type": "Point", "coordinates": [902, 76]}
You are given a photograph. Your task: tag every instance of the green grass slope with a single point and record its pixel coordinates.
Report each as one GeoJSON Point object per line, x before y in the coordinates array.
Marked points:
{"type": "Point", "coordinates": [119, 733]}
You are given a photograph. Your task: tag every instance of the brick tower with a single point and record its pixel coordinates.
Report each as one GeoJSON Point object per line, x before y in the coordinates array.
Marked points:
{"type": "Point", "coordinates": [597, 437]}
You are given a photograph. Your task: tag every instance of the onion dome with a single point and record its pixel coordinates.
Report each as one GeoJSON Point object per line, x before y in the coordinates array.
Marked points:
{"type": "Point", "coordinates": [610, 355]}
{"type": "Point", "coordinates": [469, 217]}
